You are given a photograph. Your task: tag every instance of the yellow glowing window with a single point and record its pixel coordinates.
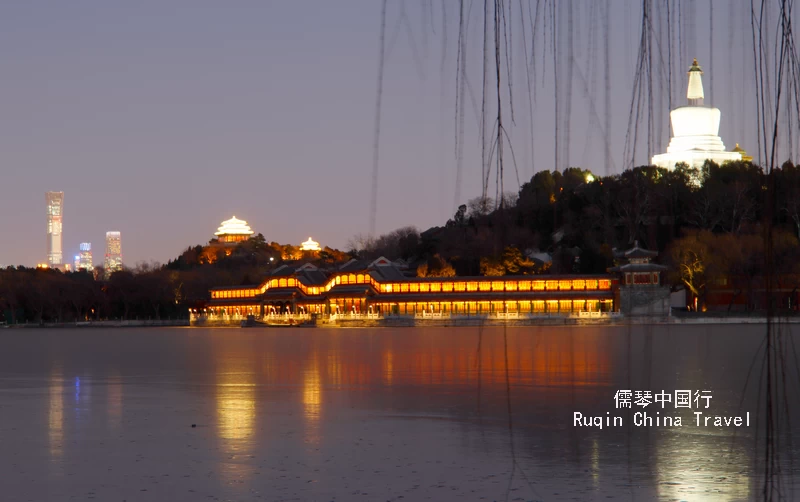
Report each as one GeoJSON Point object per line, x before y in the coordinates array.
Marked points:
{"type": "Point", "coordinates": [413, 287]}
{"type": "Point", "coordinates": [565, 305]}
{"type": "Point", "coordinates": [447, 287]}
{"type": "Point", "coordinates": [524, 285]}
{"type": "Point", "coordinates": [605, 284]}
{"type": "Point", "coordinates": [485, 286]}
{"type": "Point", "coordinates": [511, 286]}
{"type": "Point", "coordinates": [404, 288]}
{"type": "Point", "coordinates": [552, 285]}
{"type": "Point", "coordinates": [387, 288]}
{"type": "Point", "coordinates": [352, 278]}
{"type": "Point", "coordinates": [578, 284]}
{"type": "Point", "coordinates": [460, 286]}
{"type": "Point", "coordinates": [282, 283]}
{"type": "Point", "coordinates": [424, 287]}
{"type": "Point", "coordinates": [436, 287]}
{"type": "Point", "coordinates": [339, 279]}
{"type": "Point", "coordinates": [472, 286]}
{"type": "Point", "coordinates": [564, 285]}
{"type": "Point", "coordinates": [591, 284]}
{"type": "Point", "coordinates": [273, 283]}
{"type": "Point", "coordinates": [538, 285]}
{"type": "Point", "coordinates": [497, 286]}
{"type": "Point", "coordinates": [538, 305]}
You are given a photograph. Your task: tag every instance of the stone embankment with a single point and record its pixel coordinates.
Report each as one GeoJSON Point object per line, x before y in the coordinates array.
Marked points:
{"type": "Point", "coordinates": [131, 323]}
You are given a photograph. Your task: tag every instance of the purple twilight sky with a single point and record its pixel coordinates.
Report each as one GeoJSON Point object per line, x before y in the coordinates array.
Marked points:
{"type": "Point", "coordinates": [162, 118]}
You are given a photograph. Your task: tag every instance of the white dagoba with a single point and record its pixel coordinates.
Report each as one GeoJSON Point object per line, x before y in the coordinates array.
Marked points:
{"type": "Point", "coordinates": [695, 130]}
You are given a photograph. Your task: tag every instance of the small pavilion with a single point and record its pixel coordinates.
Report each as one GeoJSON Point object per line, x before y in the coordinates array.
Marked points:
{"type": "Point", "coordinates": [233, 231]}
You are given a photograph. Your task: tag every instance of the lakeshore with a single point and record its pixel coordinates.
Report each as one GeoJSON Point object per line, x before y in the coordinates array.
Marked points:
{"type": "Point", "coordinates": [419, 322]}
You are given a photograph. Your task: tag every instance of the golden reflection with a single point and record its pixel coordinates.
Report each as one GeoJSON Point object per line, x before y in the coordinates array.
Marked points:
{"type": "Point", "coordinates": [56, 414]}
{"type": "Point", "coordinates": [335, 367]}
{"type": "Point", "coordinates": [312, 401]}
{"type": "Point", "coordinates": [388, 366]}
{"type": "Point", "coordinates": [114, 401]}
{"type": "Point", "coordinates": [236, 420]}
{"type": "Point", "coordinates": [236, 405]}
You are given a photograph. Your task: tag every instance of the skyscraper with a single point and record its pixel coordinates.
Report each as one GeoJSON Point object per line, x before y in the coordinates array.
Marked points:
{"type": "Point", "coordinates": [113, 261]}
{"type": "Point", "coordinates": [85, 258]}
{"type": "Point", "coordinates": [55, 215]}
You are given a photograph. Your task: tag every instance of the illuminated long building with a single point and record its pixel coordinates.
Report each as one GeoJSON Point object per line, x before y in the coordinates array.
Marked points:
{"type": "Point", "coordinates": [55, 215]}
{"type": "Point", "coordinates": [379, 287]}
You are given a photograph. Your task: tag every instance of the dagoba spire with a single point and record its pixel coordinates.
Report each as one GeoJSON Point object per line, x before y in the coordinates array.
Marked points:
{"type": "Point", "coordinates": [694, 93]}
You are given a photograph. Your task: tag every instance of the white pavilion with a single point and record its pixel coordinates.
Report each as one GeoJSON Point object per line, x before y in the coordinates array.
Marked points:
{"type": "Point", "coordinates": [233, 231]}
{"type": "Point", "coordinates": [695, 130]}
{"type": "Point", "coordinates": [310, 245]}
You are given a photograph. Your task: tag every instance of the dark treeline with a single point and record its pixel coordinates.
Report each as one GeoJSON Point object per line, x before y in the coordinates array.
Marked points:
{"type": "Point", "coordinates": [706, 223]}
{"type": "Point", "coordinates": [147, 291]}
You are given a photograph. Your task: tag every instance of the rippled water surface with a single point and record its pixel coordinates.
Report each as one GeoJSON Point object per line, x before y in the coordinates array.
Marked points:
{"type": "Point", "coordinates": [385, 414]}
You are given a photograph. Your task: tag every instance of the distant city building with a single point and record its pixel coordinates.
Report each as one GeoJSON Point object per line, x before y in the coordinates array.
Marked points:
{"type": "Point", "coordinates": [55, 215]}
{"type": "Point", "coordinates": [310, 245]}
{"type": "Point", "coordinates": [695, 131]}
{"type": "Point", "coordinates": [76, 263]}
{"type": "Point", "coordinates": [85, 257]}
{"type": "Point", "coordinates": [233, 231]}
{"type": "Point", "coordinates": [113, 260]}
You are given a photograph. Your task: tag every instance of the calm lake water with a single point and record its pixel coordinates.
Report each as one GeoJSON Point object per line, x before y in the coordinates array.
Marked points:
{"type": "Point", "coordinates": [379, 414]}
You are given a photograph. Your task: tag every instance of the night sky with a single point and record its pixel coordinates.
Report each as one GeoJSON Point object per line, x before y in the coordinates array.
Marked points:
{"type": "Point", "coordinates": [160, 119]}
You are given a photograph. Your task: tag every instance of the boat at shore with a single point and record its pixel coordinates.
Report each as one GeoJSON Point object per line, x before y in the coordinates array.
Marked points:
{"type": "Point", "coordinates": [252, 322]}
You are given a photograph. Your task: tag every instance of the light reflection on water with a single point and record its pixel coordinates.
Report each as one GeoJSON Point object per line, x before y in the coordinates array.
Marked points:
{"type": "Point", "coordinates": [312, 401]}
{"type": "Point", "coordinates": [114, 398]}
{"type": "Point", "coordinates": [699, 467]}
{"type": "Point", "coordinates": [236, 420]}
{"type": "Point", "coordinates": [55, 418]}
{"type": "Point", "coordinates": [397, 406]}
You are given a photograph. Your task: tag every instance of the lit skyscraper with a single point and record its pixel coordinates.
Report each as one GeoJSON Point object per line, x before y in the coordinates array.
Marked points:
{"type": "Point", "coordinates": [85, 258]}
{"type": "Point", "coordinates": [113, 261]}
{"type": "Point", "coordinates": [55, 215]}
